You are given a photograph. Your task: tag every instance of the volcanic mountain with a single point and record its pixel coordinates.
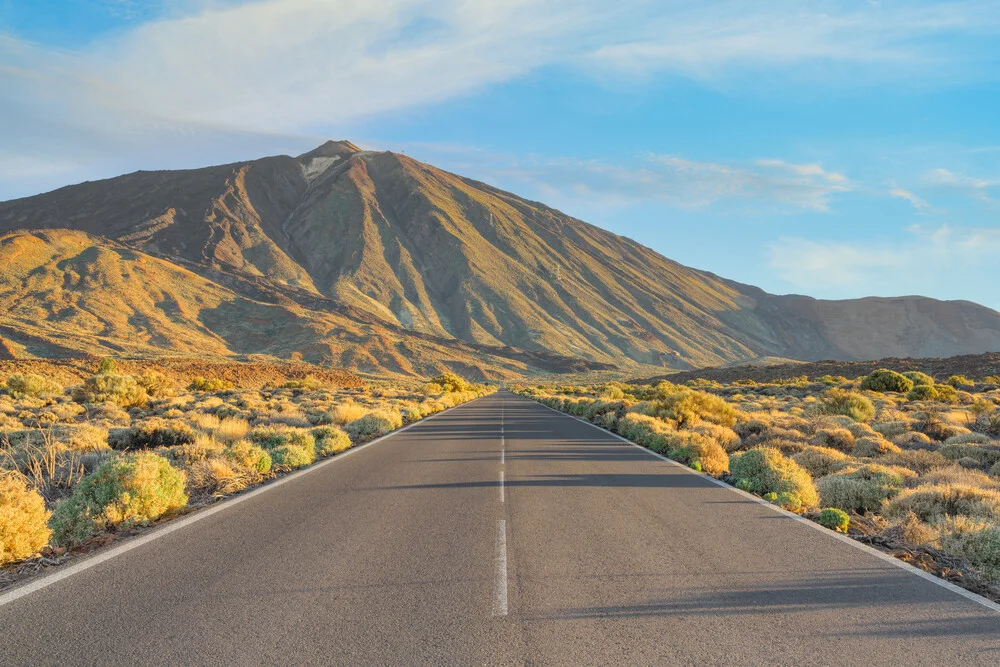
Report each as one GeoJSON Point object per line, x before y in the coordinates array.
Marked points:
{"type": "Point", "coordinates": [375, 261]}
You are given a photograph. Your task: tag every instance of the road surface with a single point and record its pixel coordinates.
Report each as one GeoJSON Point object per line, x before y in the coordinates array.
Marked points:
{"type": "Point", "coordinates": [452, 542]}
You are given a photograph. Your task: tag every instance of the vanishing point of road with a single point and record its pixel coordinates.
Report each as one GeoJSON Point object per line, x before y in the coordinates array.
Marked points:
{"type": "Point", "coordinates": [499, 532]}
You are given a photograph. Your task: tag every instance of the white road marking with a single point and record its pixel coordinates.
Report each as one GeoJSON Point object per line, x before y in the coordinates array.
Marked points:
{"type": "Point", "coordinates": [500, 576]}
{"type": "Point", "coordinates": [66, 571]}
{"type": "Point", "coordinates": [503, 450]}
{"type": "Point", "coordinates": [989, 604]}
{"type": "Point", "coordinates": [501, 486]}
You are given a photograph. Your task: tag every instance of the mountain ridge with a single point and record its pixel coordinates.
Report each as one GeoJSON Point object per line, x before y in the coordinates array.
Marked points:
{"type": "Point", "coordinates": [382, 240]}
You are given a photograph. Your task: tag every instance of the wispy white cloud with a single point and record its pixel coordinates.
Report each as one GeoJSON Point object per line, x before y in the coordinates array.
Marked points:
{"type": "Point", "coordinates": [915, 264]}
{"type": "Point", "coordinates": [302, 67]}
{"type": "Point", "coordinates": [978, 188]}
{"type": "Point", "coordinates": [684, 182]}
{"type": "Point", "coordinates": [917, 202]}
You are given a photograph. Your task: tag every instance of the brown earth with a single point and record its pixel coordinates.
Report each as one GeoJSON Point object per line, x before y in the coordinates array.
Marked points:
{"type": "Point", "coordinates": [973, 366]}
{"type": "Point", "coordinates": [244, 375]}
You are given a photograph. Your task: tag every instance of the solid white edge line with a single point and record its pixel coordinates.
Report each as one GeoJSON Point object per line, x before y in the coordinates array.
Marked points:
{"type": "Point", "coordinates": [500, 575]}
{"type": "Point", "coordinates": [969, 595]}
{"type": "Point", "coordinates": [60, 573]}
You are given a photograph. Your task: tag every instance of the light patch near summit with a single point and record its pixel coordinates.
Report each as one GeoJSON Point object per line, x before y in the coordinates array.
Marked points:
{"type": "Point", "coordinates": [316, 166]}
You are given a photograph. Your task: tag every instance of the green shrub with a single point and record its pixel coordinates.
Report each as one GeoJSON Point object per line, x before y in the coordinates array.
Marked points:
{"type": "Point", "coordinates": [209, 384]}
{"type": "Point", "coordinates": [979, 543]}
{"type": "Point", "coordinates": [919, 379]}
{"type": "Point", "coordinates": [689, 408]}
{"type": "Point", "coordinates": [946, 393]}
{"type": "Point", "coordinates": [935, 502]}
{"type": "Point", "coordinates": [25, 385]}
{"type": "Point", "coordinates": [883, 380]}
{"type": "Point", "coordinates": [848, 403]}
{"type": "Point", "coordinates": [271, 437]}
{"type": "Point", "coordinates": [24, 521]}
{"type": "Point", "coordinates": [122, 390]}
{"type": "Point", "coordinates": [108, 366]}
{"type": "Point", "coordinates": [308, 383]}
{"type": "Point", "coordinates": [330, 440]}
{"type": "Point", "coordinates": [122, 493]}
{"type": "Point", "coordinates": [374, 424]}
{"type": "Point", "coordinates": [862, 490]}
{"type": "Point", "coordinates": [832, 380]}
{"type": "Point", "coordinates": [835, 519]}
{"type": "Point", "coordinates": [290, 457]}
{"type": "Point", "coordinates": [923, 392]}
{"type": "Point", "coordinates": [766, 470]}
{"type": "Point", "coordinates": [957, 381]}
{"type": "Point", "coordinates": [249, 456]}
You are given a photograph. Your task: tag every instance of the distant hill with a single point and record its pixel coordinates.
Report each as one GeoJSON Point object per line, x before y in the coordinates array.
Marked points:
{"type": "Point", "coordinates": [372, 260]}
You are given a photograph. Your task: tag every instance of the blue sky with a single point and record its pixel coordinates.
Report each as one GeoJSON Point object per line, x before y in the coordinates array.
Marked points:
{"type": "Point", "coordinates": [837, 149]}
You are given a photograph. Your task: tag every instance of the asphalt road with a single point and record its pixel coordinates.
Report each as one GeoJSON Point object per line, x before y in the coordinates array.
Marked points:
{"type": "Point", "coordinates": [411, 551]}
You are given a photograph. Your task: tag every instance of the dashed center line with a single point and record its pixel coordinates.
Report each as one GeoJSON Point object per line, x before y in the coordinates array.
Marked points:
{"type": "Point", "coordinates": [500, 576]}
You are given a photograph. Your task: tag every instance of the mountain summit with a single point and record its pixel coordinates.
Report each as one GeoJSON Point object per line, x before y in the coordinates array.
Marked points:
{"type": "Point", "coordinates": [353, 245]}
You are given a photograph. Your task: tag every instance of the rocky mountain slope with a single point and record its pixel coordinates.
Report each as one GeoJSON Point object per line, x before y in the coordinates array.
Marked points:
{"type": "Point", "coordinates": [326, 252]}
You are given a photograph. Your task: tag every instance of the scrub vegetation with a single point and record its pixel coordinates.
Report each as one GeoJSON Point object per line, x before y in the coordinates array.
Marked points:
{"type": "Point", "coordinates": [83, 463]}
{"type": "Point", "coordinates": [904, 462]}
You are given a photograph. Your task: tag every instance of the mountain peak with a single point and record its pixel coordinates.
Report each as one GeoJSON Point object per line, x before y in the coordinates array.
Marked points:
{"type": "Point", "coordinates": [342, 149]}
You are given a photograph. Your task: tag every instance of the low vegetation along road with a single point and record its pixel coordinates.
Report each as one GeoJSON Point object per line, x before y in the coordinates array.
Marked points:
{"type": "Point", "coordinates": [497, 532]}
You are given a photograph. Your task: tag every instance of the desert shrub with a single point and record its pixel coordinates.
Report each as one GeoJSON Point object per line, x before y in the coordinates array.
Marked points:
{"type": "Point", "coordinates": [922, 392]}
{"type": "Point", "coordinates": [30, 385]}
{"type": "Point", "coordinates": [873, 447]}
{"type": "Point", "coordinates": [348, 412]}
{"type": "Point", "coordinates": [835, 519]}
{"type": "Point", "coordinates": [272, 437]}
{"type": "Point", "coordinates": [985, 456]}
{"type": "Point", "coordinates": [977, 542]}
{"type": "Point", "coordinates": [219, 477]}
{"type": "Point", "coordinates": [820, 461]}
{"type": "Point", "coordinates": [209, 384]}
{"type": "Point", "coordinates": [230, 429]}
{"type": "Point", "coordinates": [958, 381]}
{"type": "Point", "coordinates": [848, 403]}
{"type": "Point", "coordinates": [330, 440]}
{"type": "Point", "coordinates": [883, 380]}
{"type": "Point", "coordinates": [82, 437]}
{"type": "Point", "coordinates": [152, 434]}
{"type": "Point", "coordinates": [967, 439]}
{"type": "Point", "coordinates": [946, 393]}
{"type": "Point", "coordinates": [645, 430]}
{"type": "Point", "coordinates": [122, 390]}
{"type": "Point", "coordinates": [689, 408]}
{"type": "Point", "coordinates": [920, 460]}
{"type": "Point", "coordinates": [375, 423]}
{"type": "Point", "coordinates": [157, 385]}
{"type": "Point", "coordinates": [721, 434]}
{"type": "Point", "coordinates": [290, 457]}
{"type": "Point", "coordinates": [864, 489]}
{"type": "Point", "coordinates": [919, 379]}
{"type": "Point", "coordinates": [891, 429]}
{"type": "Point", "coordinates": [190, 453]}
{"type": "Point", "coordinates": [953, 474]}
{"type": "Point", "coordinates": [308, 383]}
{"type": "Point", "coordinates": [832, 380]}
{"type": "Point", "coordinates": [836, 438]}
{"type": "Point", "coordinates": [911, 439]}
{"type": "Point", "coordinates": [934, 502]}
{"type": "Point", "coordinates": [122, 493]}
{"type": "Point", "coordinates": [766, 470]}
{"type": "Point", "coordinates": [694, 448]}
{"type": "Point", "coordinates": [249, 456]}
{"type": "Point", "coordinates": [24, 527]}
{"type": "Point", "coordinates": [446, 383]}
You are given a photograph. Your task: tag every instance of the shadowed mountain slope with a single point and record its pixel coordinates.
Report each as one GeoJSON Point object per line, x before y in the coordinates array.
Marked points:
{"type": "Point", "coordinates": [354, 238]}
